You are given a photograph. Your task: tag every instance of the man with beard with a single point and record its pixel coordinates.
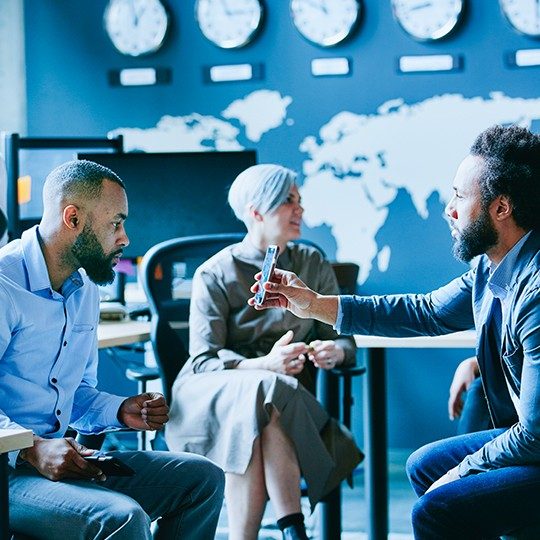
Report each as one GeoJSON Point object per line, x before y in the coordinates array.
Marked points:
{"type": "Point", "coordinates": [485, 484]}
{"type": "Point", "coordinates": [48, 367]}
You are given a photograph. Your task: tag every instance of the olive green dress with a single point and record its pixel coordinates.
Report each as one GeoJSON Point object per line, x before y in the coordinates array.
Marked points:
{"type": "Point", "coordinates": [219, 411]}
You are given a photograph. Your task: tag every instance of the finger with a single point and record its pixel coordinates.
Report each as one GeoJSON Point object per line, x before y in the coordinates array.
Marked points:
{"type": "Point", "coordinates": [295, 349]}
{"type": "Point", "coordinates": [155, 426]}
{"type": "Point", "coordinates": [155, 411]}
{"type": "Point", "coordinates": [156, 405]}
{"type": "Point", "coordinates": [79, 466]}
{"type": "Point", "coordinates": [268, 303]}
{"type": "Point", "coordinates": [286, 338]}
{"type": "Point", "coordinates": [156, 419]}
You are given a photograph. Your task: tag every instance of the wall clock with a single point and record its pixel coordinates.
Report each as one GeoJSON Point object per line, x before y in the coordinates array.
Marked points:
{"type": "Point", "coordinates": [428, 20]}
{"type": "Point", "coordinates": [524, 15]}
{"type": "Point", "coordinates": [229, 24]}
{"type": "Point", "coordinates": [325, 22]}
{"type": "Point", "coordinates": [136, 27]}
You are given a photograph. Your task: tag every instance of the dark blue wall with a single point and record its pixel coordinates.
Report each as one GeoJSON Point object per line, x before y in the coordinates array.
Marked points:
{"type": "Point", "coordinates": [69, 55]}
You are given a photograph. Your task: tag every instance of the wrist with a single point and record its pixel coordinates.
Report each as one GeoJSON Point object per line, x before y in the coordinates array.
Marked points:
{"type": "Point", "coordinates": [120, 414]}
{"type": "Point", "coordinates": [26, 454]}
{"type": "Point", "coordinates": [324, 308]}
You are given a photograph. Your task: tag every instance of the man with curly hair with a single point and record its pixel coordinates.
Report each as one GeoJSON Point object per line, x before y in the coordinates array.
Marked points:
{"type": "Point", "coordinates": [484, 484]}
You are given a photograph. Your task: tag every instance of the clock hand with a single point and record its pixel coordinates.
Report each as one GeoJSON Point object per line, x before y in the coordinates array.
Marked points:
{"type": "Point", "coordinates": [225, 7]}
{"type": "Point", "coordinates": [317, 4]}
{"type": "Point", "coordinates": [421, 6]}
{"type": "Point", "coordinates": [134, 14]}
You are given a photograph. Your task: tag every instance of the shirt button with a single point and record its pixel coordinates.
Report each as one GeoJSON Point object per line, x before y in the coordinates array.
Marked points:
{"type": "Point", "coordinates": [65, 343]}
{"type": "Point", "coordinates": [53, 380]}
{"type": "Point", "coordinates": [58, 412]}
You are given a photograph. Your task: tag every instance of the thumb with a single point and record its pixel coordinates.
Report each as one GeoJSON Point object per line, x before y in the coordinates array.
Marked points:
{"type": "Point", "coordinates": [286, 338]}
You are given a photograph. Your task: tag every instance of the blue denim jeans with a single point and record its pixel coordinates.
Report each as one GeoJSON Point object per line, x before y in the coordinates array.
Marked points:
{"type": "Point", "coordinates": [184, 492]}
{"type": "Point", "coordinates": [476, 507]}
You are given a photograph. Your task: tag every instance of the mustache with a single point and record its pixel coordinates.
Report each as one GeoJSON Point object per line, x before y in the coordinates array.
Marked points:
{"type": "Point", "coordinates": [117, 253]}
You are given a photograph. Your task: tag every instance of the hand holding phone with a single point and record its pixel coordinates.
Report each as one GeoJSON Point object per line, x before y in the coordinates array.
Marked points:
{"type": "Point", "coordinates": [110, 465]}
{"type": "Point", "coordinates": [270, 259]}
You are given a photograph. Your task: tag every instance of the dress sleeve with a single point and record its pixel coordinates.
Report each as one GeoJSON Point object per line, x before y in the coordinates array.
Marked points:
{"type": "Point", "coordinates": [208, 315]}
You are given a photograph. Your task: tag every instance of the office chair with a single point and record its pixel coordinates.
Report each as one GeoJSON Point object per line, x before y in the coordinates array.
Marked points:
{"type": "Point", "coordinates": [3, 223]}
{"type": "Point", "coordinates": [165, 272]}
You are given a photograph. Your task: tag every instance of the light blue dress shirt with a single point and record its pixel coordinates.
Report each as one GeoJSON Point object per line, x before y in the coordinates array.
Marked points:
{"type": "Point", "coordinates": [466, 303]}
{"type": "Point", "coordinates": [48, 347]}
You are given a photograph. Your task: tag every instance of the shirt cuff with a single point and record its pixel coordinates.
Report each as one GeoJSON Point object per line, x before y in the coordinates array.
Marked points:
{"type": "Point", "coordinates": [339, 318]}
{"type": "Point", "coordinates": [110, 413]}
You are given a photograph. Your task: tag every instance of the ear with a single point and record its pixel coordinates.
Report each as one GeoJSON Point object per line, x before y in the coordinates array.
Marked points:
{"type": "Point", "coordinates": [254, 214]}
{"type": "Point", "coordinates": [503, 208]}
{"type": "Point", "coordinates": [71, 217]}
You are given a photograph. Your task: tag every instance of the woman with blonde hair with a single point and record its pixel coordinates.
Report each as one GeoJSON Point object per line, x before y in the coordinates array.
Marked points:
{"type": "Point", "coordinates": [245, 397]}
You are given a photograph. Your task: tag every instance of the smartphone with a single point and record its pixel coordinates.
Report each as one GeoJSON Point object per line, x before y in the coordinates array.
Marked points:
{"type": "Point", "coordinates": [269, 264]}
{"type": "Point", "coordinates": [110, 465]}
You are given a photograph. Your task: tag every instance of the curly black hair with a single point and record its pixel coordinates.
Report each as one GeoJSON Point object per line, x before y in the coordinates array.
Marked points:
{"type": "Point", "coordinates": [511, 157]}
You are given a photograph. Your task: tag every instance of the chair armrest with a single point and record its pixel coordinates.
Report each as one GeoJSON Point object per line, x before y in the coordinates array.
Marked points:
{"type": "Point", "coordinates": [346, 371]}
{"type": "Point", "coordinates": [142, 373]}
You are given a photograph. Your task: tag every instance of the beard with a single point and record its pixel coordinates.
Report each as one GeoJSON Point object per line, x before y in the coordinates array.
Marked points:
{"type": "Point", "coordinates": [90, 256]}
{"type": "Point", "coordinates": [475, 239]}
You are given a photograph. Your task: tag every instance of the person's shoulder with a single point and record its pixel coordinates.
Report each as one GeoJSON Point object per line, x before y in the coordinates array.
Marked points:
{"type": "Point", "coordinates": [305, 251]}
{"type": "Point", "coordinates": [12, 260]}
{"type": "Point", "coordinates": [215, 264]}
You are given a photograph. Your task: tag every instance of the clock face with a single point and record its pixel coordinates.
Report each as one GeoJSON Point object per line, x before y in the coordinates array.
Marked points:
{"type": "Point", "coordinates": [136, 27]}
{"type": "Point", "coordinates": [524, 15]}
{"type": "Point", "coordinates": [325, 22]}
{"type": "Point", "coordinates": [229, 23]}
{"type": "Point", "coordinates": [428, 19]}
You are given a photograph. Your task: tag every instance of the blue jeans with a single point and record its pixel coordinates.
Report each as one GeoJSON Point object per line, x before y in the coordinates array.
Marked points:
{"type": "Point", "coordinates": [476, 507]}
{"type": "Point", "coordinates": [184, 492]}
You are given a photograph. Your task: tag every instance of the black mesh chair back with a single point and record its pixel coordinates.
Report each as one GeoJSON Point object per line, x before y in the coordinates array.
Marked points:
{"type": "Point", "coordinates": [166, 271]}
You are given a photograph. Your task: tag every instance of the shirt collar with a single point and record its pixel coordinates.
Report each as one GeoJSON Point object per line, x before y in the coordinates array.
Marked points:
{"type": "Point", "coordinates": [248, 252]}
{"type": "Point", "coordinates": [36, 267]}
{"type": "Point", "coordinates": [500, 280]}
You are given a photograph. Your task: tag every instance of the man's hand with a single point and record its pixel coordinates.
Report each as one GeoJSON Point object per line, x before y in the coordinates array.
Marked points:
{"type": "Point", "coordinates": [326, 354]}
{"type": "Point", "coordinates": [287, 290]}
{"type": "Point", "coordinates": [145, 411]}
{"type": "Point", "coordinates": [57, 459]}
{"type": "Point", "coordinates": [465, 374]}
{"type": "Point", "coordinates": [450, 476]}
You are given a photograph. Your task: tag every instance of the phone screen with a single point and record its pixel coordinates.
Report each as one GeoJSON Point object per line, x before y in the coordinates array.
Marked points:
{"type": "Point", "coordinates": [268, 267]}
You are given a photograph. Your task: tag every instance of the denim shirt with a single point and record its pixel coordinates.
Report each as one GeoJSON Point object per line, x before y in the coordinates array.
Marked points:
{"type": "Point", "coordinates": [465, 303]}
{"type": "Point", "coordinates": [48, 348]}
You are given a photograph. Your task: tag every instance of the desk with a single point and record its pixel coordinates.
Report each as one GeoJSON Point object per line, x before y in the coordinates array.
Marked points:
{"type": "Point", "coordinates": [117, 333]}
{"type": "Point", "coordinates": [10, 439]}
{"type": "Point", "coordinates": [375, 415]}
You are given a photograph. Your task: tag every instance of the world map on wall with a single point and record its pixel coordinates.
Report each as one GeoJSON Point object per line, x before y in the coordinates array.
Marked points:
{"type": "Point", "coordinates": [361, 160]}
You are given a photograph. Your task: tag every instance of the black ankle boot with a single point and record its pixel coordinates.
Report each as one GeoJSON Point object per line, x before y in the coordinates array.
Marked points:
{"type": "Point", "coordinates": [295, 532]}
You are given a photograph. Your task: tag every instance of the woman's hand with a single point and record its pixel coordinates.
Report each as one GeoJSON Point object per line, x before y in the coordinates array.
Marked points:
{"type": "Point", "coordinates": [285, 357]}
{"type": "Point", "coordinates": [326, 354]}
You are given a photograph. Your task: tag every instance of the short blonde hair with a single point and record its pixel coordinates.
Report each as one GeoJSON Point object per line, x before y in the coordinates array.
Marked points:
{"type": "Point", "coordinates": [264, 187]}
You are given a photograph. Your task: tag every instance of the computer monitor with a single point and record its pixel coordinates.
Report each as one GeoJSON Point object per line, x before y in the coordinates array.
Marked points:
{"type": "Point", "coordinates": [176, 194]}
{"type": "Point", "coordinates": [28, 162]}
